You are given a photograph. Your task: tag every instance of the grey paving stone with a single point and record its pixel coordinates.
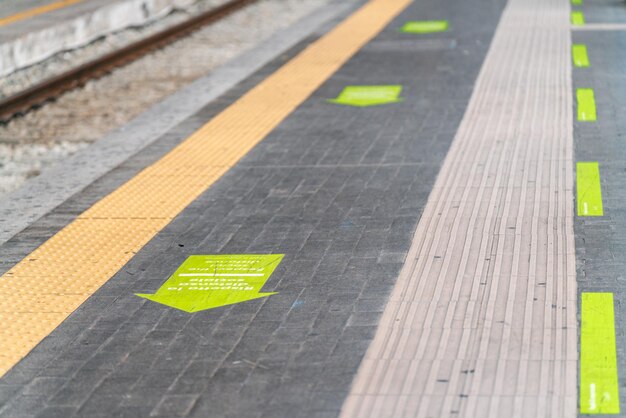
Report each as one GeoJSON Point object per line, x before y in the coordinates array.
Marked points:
{"type": "Point", "coordinates": [23, 406]}
{"type": "Point", "coordinates": [99, 405]}
{"type": "Point", "coordinates": [131, 412]}
{"type": "Point", "coordinates": [7, 392]}
{"type": "Point", "coordinates": [56, 412]}
{"type": "Point", "coordinates": [174, 406]}
{"type": "Point", "coordinates": [44, 386]}
{"type": "Point", "coordinates": [117, 384]}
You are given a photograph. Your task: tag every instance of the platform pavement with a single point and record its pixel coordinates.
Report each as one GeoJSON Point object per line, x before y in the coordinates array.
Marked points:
{"type": "Point", "coordinates": [338, 190]}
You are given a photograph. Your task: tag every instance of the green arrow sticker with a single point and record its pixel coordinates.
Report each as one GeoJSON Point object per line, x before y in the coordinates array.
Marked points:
{"type": "Point", "coordinates": [210, 281]}
{"type": "Point", "coordinates": [363, 96]}
{"type": "Point", "coordinates": [425, 26]}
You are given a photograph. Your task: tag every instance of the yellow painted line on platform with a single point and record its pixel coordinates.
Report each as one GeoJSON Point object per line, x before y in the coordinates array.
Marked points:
{"type": "Point", "coordinates": [27, 14]}
{"type": "Point", "coordinates": [43, 289]}
{"type": "Point", "coordinates": [588, 189]}
{"type": "Point", "coordinates": [586, 105]}
{"type": "Point", "coordinates": [579, 55]}
{"type": "Point", "coordinates": [599, 391]}
{"type": "Point", "coordinates": [578, 18]}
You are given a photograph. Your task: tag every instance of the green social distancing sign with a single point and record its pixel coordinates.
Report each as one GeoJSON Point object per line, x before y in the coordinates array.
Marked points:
{"type": "Point", "coordinates": [210, 281]}
{"type": "Point", "coordinates": [364, 96]}
{"type": "Point", "coordinates": [425, 26]}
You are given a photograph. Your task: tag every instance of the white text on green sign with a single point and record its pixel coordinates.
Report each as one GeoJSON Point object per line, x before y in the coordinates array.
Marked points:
{"type": "Point", "coordinates": [210, 281]}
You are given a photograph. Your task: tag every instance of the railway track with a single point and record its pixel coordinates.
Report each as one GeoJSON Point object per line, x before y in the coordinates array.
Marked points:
{"type": "Point", "coordinates": [47, 90]}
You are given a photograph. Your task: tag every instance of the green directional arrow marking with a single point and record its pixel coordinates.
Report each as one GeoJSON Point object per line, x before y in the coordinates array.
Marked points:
{"type": "Point", "coordinates": [210, 281]}
{"type": "Point", "coordinates": [363, 96]}
{"type": "Point", "coordinates": [425, 26]}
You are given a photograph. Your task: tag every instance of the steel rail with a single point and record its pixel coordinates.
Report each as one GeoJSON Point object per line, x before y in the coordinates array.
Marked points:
{"type": "Point", "coordinates": [47, 90]}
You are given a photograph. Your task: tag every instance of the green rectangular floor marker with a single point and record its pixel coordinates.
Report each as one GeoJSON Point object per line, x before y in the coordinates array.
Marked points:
{"type": "Point", "coordinates": [577, 2]}
{"type": "Point", "coordinates": [578, 18]}
{"type": "Point", "coordinates": [588, 189]}
{"type": "Point", "coordinates": [425, 26]}
{"type": "Point", "coordinates": [579, 55]}
{"type": "Point", "coordinates": [210, 281]}
{"type": "Point", "coordinates": [586, 105]}
{"type": "Point", "coordinates": [363, 96]}
{"type": "Point", "coordinates": [599, 391]}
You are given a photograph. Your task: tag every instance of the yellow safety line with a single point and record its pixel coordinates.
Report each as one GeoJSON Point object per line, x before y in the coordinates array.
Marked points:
{"type": "Point", "coordinates": [27, 14]}
{"type": "Point", "coordinates": [43, 289]}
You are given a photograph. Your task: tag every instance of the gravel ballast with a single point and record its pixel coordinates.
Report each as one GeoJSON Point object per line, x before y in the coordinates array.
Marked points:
{"type": "Point", "coordinates": [81, 117]}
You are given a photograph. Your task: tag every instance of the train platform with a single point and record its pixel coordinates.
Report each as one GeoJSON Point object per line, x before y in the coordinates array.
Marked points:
{"type": "Point", "coordinates": [393, 208]}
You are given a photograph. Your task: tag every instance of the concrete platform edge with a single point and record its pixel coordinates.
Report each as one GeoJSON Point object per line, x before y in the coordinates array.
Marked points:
{"type": "Point", "coordinates": [38, 38]}
{"type": "Point", "coordinates": [61, 181]}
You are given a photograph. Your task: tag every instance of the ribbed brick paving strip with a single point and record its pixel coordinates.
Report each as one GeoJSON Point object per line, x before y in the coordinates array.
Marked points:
{"type": "Point", "coordinates": [482, 320]}
{"type": "Point", "coordinates": [44, 288]}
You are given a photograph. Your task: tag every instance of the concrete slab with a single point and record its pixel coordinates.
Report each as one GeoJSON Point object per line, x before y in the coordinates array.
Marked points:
{"type": "Point", "coordinates": [29, 36]}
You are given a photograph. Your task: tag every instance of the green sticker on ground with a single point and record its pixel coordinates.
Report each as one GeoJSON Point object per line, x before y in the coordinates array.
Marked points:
{"type": "Point", "coordinates": [579, 55]}
{"type": "Point", "coordinates": [599, 390]}
{"type": "Point", "coordinates": [363, 96]}
{"type": "Point", "coordinates": [578, 18]}
{"type": "Point", "coordinates": [425, 26]}
{"type": "Point", "coordinates": [210, 281]}
{"type": "Point", "coordinates": [577, 2]}
{"type": "Point", "coordinates": [586, 105]}
{"type": "Point", "coordinates": [588, 189]}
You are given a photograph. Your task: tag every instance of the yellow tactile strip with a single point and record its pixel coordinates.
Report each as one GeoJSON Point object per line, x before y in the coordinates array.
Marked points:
{"type": "Point", "coordinates": [45, 287]}
{"type": "Point", "coordinates": [27, 14]}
